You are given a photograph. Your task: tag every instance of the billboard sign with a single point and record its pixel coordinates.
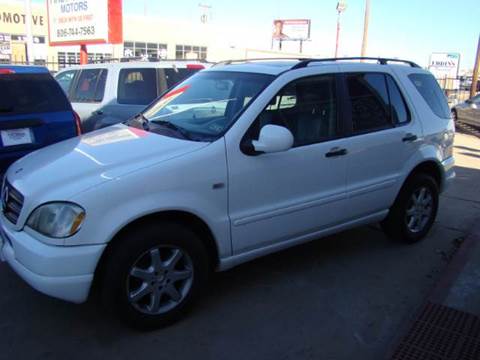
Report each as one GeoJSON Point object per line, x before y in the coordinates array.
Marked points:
{"type": "Point", "coordinates": [444, 65]}
{"type": "Point", "coordinates": [73, 22]}
{"type": "Point", "coordinates": [293, 29]}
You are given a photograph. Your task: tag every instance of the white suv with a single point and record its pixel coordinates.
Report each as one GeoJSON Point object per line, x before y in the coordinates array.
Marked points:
{"type": "Point", "coordinates": [238, 161]}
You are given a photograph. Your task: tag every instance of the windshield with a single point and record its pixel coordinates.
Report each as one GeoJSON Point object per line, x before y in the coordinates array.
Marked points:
{"type": "Point", "coordinates": [205, 105]}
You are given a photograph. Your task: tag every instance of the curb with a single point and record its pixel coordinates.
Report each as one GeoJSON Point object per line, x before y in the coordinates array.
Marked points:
{"type": "Point", "coordinates": [440, 291]}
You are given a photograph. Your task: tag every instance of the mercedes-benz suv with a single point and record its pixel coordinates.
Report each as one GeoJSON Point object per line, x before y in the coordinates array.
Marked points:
{"type": "Point", "coordinates": [238, 161]}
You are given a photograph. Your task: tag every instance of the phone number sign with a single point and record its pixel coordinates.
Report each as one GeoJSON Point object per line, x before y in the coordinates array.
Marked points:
{"type": "Point", "coordinates": [74, 22]}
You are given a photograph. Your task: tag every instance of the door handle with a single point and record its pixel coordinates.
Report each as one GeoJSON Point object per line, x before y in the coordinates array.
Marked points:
{"type": "Point", "coordinates": [410, 138]}
{"type": "Point", "coordinates": [336, 152]}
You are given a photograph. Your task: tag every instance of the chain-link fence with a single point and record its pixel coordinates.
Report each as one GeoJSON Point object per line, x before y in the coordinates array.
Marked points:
{"type": "Point", "coordinates": [457, 89]}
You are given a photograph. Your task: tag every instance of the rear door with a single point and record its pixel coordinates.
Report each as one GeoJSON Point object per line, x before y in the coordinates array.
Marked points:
{"type": "Point", "coordinates": [383, 134]}
{"type": "Point", "coordinates": [87, 92]}
{"type": "Point", "coordinates": [34, 112]}
{"type": "Point", "coordinates": [133, 91]}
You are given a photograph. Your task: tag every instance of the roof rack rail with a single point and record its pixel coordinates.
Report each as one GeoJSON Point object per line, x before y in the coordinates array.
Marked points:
{"type": "Point", "coordinates": [229, 62]}
{"type": "Point", "coordinates": [382, 61]}
{"type": "Point", "coordinates": [156, 59]}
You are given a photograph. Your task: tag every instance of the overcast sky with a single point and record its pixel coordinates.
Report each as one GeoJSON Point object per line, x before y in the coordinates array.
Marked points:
{"type": "Point", "coordinates": [409, 29]}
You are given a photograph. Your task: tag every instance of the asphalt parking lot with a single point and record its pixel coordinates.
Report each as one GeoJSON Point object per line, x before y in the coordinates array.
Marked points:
{"type": "Point", "coordinates": [341, 297]}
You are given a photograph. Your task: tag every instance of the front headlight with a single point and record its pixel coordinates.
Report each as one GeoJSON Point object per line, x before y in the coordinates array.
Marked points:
{"type": "Point", "coordinates": [57, 220]}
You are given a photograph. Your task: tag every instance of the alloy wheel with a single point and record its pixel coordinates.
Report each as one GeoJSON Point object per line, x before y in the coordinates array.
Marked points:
{"type": "Point", "coordinates": [419, 209]}
{"type": "Point", "coordinates": [160, 279]}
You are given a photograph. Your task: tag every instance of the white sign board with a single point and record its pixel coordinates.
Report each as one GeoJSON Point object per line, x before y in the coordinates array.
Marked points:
{"type": "Point", "coordinates": [444, 65]}
{"type": "Point", "coordinates": [74, 22]}
{"type": "Point", "coordinates": [5, 46]}
{"type": "Point", "coordinates": [294, 29]}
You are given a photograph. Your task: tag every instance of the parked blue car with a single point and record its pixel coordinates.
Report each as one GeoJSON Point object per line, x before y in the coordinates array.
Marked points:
{"type": "Point", "coordinates": [34, 112]}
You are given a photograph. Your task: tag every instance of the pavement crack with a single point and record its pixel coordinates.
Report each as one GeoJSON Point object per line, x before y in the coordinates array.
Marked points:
{"type": "Point", "coordinates": [461, 199]}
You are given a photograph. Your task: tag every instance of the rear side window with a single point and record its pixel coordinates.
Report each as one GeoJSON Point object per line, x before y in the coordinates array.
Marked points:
{"type": "Point", "coordinates": [137, 86]}
{"type": "Point", "coordinates": [400, 113]}
{"type": "Point", "coordinates": [369, 100]}
{"type": "Point", "coordinates": [65, 79]}
{"type": "Point", "coordinates": [31, 93]}
{"type": "Point", "coordinates": [428, 87]}
{"type": "Point", "coordinates": [90, 86]}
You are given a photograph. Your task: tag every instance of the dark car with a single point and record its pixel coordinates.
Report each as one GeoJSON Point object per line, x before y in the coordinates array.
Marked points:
{"type": "Point", "coordinates": [34, 112]}
{"type": "Point", "coordinates": [468, 111]}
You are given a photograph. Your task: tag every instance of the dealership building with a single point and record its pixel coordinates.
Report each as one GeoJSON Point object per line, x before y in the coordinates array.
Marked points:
{"type": "Point", "coordinates": [143, 36]}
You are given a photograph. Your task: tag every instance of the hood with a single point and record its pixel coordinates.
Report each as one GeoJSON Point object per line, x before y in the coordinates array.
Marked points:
{"type": "Point", "coordinates": [69, 167]}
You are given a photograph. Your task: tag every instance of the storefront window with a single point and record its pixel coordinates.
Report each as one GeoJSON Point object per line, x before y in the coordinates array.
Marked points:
{"type": "Point", "coordinates": [190, 52]}
{"type": "Point", "coordinates": [141, 49]}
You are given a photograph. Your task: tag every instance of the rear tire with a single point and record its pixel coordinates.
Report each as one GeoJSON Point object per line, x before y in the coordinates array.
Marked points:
{"type": "Point", "coordinates": [414, 211]}
{"type": "Point", "coordinates": [153, 275]}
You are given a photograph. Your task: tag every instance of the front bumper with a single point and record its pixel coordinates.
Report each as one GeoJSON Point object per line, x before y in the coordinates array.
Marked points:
{"type": "Point", "coordinates": [59, 271]}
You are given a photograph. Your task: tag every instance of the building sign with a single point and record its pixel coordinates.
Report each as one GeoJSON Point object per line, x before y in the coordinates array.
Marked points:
{"type": "Point", "coordinates": [8, 17]}
{"type": "Point", "coordinates": [5, 46]}
{"type": "Point", "coordinates": [75, 22]}
{"type": "Point", "coordinates": [295, 29]}
{"type": "Point", "coordinates": [444, 65]}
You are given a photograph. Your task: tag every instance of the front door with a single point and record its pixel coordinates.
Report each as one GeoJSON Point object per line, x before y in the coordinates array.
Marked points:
{"type": "Point", "coordinates": [289, 195]}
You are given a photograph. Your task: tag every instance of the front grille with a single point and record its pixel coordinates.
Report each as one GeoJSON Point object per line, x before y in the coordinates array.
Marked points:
{"type": "Point", "coordinates": [12, 202]}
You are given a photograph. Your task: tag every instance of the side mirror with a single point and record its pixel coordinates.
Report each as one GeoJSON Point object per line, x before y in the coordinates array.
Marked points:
{"type": "Point", "coordinates": [273, 138]}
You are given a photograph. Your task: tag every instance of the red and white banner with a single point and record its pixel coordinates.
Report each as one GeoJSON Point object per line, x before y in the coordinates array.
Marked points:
{"type": "Point", "coordinates": [75, 22]}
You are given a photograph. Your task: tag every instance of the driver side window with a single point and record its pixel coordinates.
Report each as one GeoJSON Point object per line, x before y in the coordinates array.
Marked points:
{"type": "Point", "coordinates": [307, 107]}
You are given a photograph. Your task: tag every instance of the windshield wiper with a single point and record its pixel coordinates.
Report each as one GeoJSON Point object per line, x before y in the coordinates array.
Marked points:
{"type": "Point", "coordinates": [174, 127]}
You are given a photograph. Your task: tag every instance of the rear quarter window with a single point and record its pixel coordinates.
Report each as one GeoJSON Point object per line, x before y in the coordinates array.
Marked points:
{"type": "Point", "coordinates": [31, 93]}
{"type": "Point", "coordinates": [428, 87]}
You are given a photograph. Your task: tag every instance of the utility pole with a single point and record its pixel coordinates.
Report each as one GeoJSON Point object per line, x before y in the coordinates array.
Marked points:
{"type": "Point", "coordinates": [473, 89]}
{"type": "Point", "coordinates": [341, 7]}
{"type": "Point", "coordinates": [30, 56]}
{"type": "Point", "coordinates": [365, 28]}
{"type": "Point", "coordinates": [205, 13]}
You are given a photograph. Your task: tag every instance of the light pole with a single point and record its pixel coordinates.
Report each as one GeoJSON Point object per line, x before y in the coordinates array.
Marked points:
{"type": "Point", "coordinates": [341, 7]}
{"type": "Point", "coordinates": [476, 70]}
{"type": "Point", "coordinates": [365, 28]}
{"type": "Point", "coordinates": [28, 32]}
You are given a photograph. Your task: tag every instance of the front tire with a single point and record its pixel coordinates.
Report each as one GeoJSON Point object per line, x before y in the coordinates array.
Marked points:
{"type": "Point", "coordinates": [154, 274]}
{"type": "Point", "coordinates": [454, 115]}
{"type": "Point", "coordinates": [414, 211]}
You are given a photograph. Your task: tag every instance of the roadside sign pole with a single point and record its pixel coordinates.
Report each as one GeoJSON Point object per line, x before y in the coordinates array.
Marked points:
{"type": "Point", "coordinates": [83, 54]}
{"type": "Point", "coordinates": [341, 7]}
{"type": "Point", "coordinates": [365, 28]}
{"type": "Point", "coordinates": [28, 32]}
{"type": "Point", "coordinates": [473, 89]}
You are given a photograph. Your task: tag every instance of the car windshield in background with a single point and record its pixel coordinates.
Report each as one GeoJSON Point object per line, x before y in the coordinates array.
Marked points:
{"type": "Point", "coordinates": [206, 104]}
{"type": "Point", "coordinates": [30, 93]}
